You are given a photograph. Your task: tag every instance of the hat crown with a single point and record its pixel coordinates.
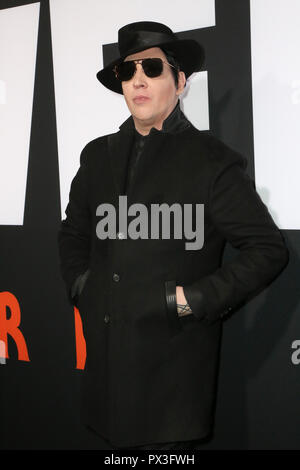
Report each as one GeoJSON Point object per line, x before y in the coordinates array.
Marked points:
{"type": "Point", "coordinates": [143, 33]}
{"type": "Point", "coordinates": [151, 26]}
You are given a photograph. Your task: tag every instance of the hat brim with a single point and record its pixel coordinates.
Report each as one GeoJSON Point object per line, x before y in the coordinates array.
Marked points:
{"type": "Point", "coordinates": [188, 52]}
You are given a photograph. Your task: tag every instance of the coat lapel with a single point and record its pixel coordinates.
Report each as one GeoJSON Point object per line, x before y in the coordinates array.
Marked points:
{"type": "Point", "coordinates": [143, 183]}
{"type": "Point", "coordinates": [119, 148]}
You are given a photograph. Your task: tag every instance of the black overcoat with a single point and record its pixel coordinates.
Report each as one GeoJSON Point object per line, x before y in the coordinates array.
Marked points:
{"type": "Point", "coordinates": [151, 376]}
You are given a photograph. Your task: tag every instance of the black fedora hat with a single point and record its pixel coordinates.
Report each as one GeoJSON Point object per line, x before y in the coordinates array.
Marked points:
{"type": "Point", "coordinates": [141, 35]}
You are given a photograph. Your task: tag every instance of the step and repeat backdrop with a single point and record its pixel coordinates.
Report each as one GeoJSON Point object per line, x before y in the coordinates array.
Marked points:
{"type": "Point", "coordinates": [51, 105]}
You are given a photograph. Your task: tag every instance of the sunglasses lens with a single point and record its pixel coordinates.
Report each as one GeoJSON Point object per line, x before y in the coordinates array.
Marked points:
{"type": "Point", "coordinates": [125, 70]}
{"type": "Point", "coordinates": [153, 67]}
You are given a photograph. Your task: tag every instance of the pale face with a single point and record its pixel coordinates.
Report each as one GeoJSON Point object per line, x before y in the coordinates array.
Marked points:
{"type": "Point", "coordinates": [160, 92]}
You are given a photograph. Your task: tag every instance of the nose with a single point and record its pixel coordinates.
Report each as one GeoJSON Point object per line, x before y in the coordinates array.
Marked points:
{"type": "Point", "coordinates": [139, 78]}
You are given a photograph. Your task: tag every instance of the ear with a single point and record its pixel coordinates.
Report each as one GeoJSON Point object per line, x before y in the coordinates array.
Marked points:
{"type": "Point", "coordinates": [181, 82]}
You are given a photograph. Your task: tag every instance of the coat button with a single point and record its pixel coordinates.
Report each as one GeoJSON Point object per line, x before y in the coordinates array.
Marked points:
{"type": "Point", "coordinates": [106, 318]}
{"type": "Point", "coordinates": [226, 311]}
{"type": "Point", "coordinates": [120, 235]}
{"type": "Point", "coordinates": [116, 277]}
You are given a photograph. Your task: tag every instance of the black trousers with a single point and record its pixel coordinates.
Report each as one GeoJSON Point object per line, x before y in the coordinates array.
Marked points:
{"type": "Point", "coordinates": [179, 445]}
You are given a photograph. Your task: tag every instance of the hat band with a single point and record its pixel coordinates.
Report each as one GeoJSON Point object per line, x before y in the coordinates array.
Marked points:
{"type": "Point", "coordinates": [145, 39]}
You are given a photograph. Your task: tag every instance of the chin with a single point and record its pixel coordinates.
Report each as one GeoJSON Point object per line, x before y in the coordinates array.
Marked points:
{"type": "Point", "coordinates": [142, 115]}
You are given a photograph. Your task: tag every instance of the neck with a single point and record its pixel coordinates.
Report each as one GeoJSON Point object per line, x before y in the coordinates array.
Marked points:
{"type": "Point", "coordinates": [144, 126]}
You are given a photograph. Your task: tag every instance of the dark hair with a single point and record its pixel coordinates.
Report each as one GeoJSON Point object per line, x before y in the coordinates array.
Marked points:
{"type": "Point", "coordinates": [173, 61]}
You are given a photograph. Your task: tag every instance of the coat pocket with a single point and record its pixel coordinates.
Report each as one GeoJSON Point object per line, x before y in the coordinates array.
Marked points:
{"type": "Point", "coordinates": [81, 283]}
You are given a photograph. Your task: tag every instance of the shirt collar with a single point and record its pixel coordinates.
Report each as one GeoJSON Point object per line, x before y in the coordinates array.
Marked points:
{"type": "Point", "coordinates": [174, 123]}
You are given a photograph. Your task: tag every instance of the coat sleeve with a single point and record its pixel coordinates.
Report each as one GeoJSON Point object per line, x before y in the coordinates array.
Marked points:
{"type": "Point", "coordinates": [74, 235]}
{"type": "Point", "coordinates": [238, 213]}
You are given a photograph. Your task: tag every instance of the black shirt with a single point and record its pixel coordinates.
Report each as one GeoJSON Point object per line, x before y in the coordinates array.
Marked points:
{"type": "Point", "coordinates": [175, 122]}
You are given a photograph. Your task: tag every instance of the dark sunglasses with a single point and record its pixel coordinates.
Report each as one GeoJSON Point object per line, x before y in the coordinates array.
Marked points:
{"type": "Point", "coordinates": [152, 68]}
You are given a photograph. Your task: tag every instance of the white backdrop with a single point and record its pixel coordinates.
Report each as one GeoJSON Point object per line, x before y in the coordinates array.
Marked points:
{"type": "Point", "coordinates": [275, 43]}
{"type": "Point", "coordinates": [18, 43]}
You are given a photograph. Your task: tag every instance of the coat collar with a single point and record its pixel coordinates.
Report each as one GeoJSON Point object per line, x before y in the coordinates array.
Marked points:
{"type": "Point", "coordinates": [174, 122]}
{"type": "Point", "coordinates": [120, 143]}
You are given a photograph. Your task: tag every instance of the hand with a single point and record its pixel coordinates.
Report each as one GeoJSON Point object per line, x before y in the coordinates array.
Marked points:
{"type": "Point", "coordinates": [183, 307]}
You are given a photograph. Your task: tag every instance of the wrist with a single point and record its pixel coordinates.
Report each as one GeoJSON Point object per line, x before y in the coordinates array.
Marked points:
{"type": "Point", "coordinates": [183, 307]}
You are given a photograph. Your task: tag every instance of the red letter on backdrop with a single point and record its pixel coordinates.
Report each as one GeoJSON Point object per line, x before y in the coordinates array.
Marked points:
{"type": "Point", "coordinates": [80, 341]}
{"type": "Point", "coordinates": [11, 325]}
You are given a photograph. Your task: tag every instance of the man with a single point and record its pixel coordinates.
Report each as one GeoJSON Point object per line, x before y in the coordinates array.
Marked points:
{"type": "Point", "coordinates": [152, 310]}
